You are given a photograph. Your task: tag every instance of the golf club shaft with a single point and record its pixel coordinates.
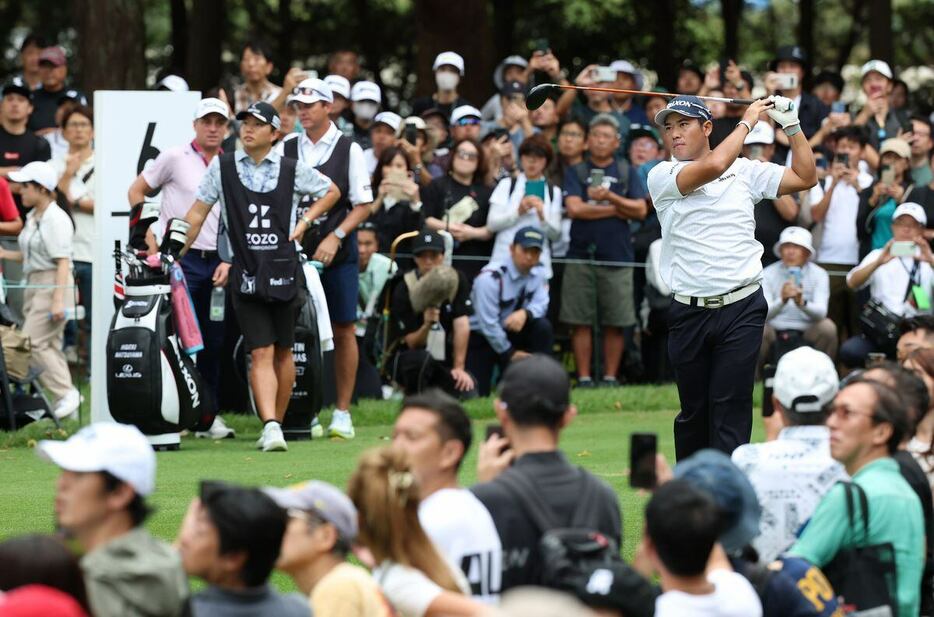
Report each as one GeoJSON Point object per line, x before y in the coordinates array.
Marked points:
{"type": "Point", "coordinates": [719, 99]}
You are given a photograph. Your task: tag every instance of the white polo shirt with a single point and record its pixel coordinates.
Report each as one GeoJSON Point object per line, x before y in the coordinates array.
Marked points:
{"type": "Point", "coordinates": [889, 283]}
{"type": "Point", "coordinates": [317, 153]}
{"type": "Point", "coordinates": [708, 237]}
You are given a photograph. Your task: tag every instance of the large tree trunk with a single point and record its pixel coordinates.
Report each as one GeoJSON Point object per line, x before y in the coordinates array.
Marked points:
{"type": "Point", "coordinates": [504, 29]}
{"type": "Point", "coordinates": [111, 42]}
{"type": "Point", "coordinates": [806, 28]}
{"type": "Point", "coordinates": [442, 25]}
{"type": "Point", "coordinates": [286, 34]}
{"type": "Point", "coordinates": [179, 17]}
{"type": "Point", "coordinates": [732, 15]}
{"type": "Point", "coordinates": [880, 30]}
{"type": "Point", "coordinates": [844, 51]}
{"type": "Point", "coordinates": [662, 18]}
{"type": "Point", "coordinates": [206, 35]}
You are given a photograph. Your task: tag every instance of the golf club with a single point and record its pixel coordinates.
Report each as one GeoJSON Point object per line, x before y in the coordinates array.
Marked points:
{"type": "Point", "coordinates": [539, 93]}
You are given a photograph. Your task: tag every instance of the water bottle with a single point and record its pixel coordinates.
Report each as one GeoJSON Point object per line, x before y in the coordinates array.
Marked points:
{"type": "Point", "coordinates": [217, 304]}
{"type": "Point", "coordinates": [73, 314]}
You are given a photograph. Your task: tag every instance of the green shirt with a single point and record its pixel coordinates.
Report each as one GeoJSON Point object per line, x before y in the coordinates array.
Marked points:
{"type": "Point", "coordinates": [372, 280]}
{"type": "Point", "coordinates": [894, 516]}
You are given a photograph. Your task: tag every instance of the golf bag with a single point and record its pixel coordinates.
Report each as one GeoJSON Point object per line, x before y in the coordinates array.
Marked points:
{"type": "Point", "coordinates": [151, 383]}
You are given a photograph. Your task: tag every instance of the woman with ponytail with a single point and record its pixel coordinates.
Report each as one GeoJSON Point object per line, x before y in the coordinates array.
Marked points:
{"type": "Point", "coordinates": [414, 576]}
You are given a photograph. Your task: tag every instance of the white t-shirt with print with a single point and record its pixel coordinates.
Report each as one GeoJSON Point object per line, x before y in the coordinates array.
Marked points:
{"type": "Point", "coordinates": [708, 236]}
{"type": "Point", "coordinates": [463, 530]}
{"type": "Point", "coordinates": [733, 596]}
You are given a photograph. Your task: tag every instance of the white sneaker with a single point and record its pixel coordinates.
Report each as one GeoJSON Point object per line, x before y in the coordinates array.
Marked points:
{"type": "Point", "coordinates": [317, 431]}
{"type": "Point", "coordinates": [67, 407]}
{"type": "Point", "coordinates": [218, 430]}
{"type": "Point", "coordinates": [273, 440]}
{"type": "Point", "coordinates": [341, 425]}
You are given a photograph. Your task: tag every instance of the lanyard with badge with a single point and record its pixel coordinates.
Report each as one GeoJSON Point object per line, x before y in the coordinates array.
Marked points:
{"type": "Point", "coordinates": [916, 295]}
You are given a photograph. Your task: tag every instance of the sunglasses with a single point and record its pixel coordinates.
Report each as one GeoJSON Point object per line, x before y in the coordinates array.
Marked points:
{"type": "Point", "coordinates": [467, 156]}
{"type": "Point", "coordinates": [468, 121]}
{"type": "Point", "coordinates": [307, 91]}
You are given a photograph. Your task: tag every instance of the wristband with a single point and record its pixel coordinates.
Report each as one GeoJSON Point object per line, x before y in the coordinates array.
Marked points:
{"type": "Point", "coordinates": [746, 124]}
{"type": "Point", "coordinates": [794, 129]}
{"type": "Point", "coordinates": [306, 220]}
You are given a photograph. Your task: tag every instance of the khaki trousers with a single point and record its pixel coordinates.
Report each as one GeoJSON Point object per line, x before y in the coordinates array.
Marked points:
{"type": "Point", "coordinates": [45, 334]}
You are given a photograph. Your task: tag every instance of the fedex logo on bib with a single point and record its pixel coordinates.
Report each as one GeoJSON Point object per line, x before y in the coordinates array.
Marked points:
{"type": "Point", "coordinates": [259, 240]}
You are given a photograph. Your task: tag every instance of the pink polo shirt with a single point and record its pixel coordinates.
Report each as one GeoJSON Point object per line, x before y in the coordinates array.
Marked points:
{"type": "Point", "coordinates": [179, 171]}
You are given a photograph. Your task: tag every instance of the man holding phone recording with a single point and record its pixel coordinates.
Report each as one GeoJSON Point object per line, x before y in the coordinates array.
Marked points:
{"type": "Point", "coordinates": [710, 260]}
{"type": "Point", "coordinates": [899, 275]}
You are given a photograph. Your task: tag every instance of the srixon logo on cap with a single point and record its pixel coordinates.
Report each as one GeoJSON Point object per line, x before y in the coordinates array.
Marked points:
{"type": "Point", "coordinates": [677, 103]}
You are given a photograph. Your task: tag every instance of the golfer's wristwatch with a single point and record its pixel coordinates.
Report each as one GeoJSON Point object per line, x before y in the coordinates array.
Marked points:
{"type": "Point", "coordinates": [340, 234]}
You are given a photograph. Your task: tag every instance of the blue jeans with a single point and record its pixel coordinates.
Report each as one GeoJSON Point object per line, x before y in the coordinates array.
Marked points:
{"type": "Point", "coordinates": [199, 268]}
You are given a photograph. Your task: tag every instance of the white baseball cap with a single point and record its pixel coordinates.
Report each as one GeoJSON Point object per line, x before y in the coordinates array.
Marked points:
{"type": "Point", "coordinates": [173, 83]}
{"type": "Point", "coordinates": [449, 58]}
{"type": "Point", "coordinates": [212, 105]}
{"type": "Point", "coordinates": [761, 133]}
{"type": "Point", "coordinates": [365, 91]}
{"type": "Point", "coordinates": [119, 449]}
{"type": "Point", "coordinates": [39, 172]}
{"type": "Point", "coordinates": [909, 208]}
{"type": "Point", "coordinates": [390, 119]}
{"type": "Point", "coordinates": [416, 121]}
{"type": "Point", "coordinates": [625, 66]}
{"type": "Point", "coordinates": [805, 380]}
{"type": "Point", "coordinates": [339, 85]}
{"type": "Point", "coordinates": [311, 91]}
{"type": "Point", "coordinates": [794, 235]}
{"type": "Point", "coordinates": [879, 66]}
{"type": "Point", "coordinates": [464, 111]}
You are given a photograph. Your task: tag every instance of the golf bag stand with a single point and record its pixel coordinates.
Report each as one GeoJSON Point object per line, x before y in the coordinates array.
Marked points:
{"type": "Point", "coordinates": [151, 382]}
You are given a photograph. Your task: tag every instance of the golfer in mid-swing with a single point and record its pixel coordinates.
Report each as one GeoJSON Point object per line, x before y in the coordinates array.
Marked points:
{"type": "Point", "coordinates": [711, 261]}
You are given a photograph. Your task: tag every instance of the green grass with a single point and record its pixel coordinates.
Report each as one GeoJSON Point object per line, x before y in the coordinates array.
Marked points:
{"type": "Point", "coordinates": [597, 440]}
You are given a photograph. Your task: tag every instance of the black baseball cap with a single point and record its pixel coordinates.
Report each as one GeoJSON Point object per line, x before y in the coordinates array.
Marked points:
{"type": "Point", "coordinates": [17, 86]}
{"type": "Point", "coordinates": [529, 237]}
{"type": "Point", "coordinates": [686, 105]}
{"type": "Point", "coordinates": [641, 130]}
{"type": "Point", "coordinates": [791, 53]}
{"type": "Point", "coordinates": [262, 111]}
{"type": "Point", "coordinates": [73, 95]}
{"type": "Point", "coordinates": [427, 240]}
{"type": "Point", "coordinates": [536, 389]}
{"type": "Point", "coordinates": [511, 88]}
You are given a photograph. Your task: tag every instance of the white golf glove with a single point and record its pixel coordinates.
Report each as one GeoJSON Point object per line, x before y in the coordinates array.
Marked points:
{"type": "Point", "coordinates": [785, 113]}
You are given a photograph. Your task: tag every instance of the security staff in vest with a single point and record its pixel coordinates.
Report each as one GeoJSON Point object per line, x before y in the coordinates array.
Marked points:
{"type": "Point", "coordinates": [259, 192]}
{"type": "Point", "coordinates": [332, 239]}
{"type": "Point", "coordinates": [510, 303]}
{"type": "Point", "coordinates": [711, 261]}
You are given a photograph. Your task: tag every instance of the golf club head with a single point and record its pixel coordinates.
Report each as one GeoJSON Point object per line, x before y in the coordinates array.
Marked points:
{"type": "Point", "coordinates": [538, 94]}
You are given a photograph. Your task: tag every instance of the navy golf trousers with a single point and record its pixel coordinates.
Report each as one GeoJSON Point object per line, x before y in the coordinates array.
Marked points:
{"type": "Point", "coordinates": [713, 352]}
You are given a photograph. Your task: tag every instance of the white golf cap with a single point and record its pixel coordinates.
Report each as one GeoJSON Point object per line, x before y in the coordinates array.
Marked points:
{"type": "Point", "coordinates": [909, 208]}
{"type": "Point", "coordinates": [879, 66]}
{"type": "Point", "coordinates": [119, 449]}
{"type": "Point", "coordinates": [173, 83]}
{"type": "Point", "coordinates": [464, 111]}
{"type": "Point", "coordinates": [420, 124]}
{"type": "Point", "coordinates": [805, 380]}
{"type": "Point", "coordinates": [40, 172]}
{"type": "Point", "coordinates": [794, 235]}
{"type": "Point", "coordinates": [896, 146]}
{"type": "Point", "coordinates": [449, 58]}
{"type": "Point", "coordinates": [311, 91]}
{"type": "Point", "coordinates": [212, 106]}
{"type": "Point", "coordinates": [625, 66]}
{"type": "Point", "coordinates": [339, 85]}
{"type": "Point", "coordinates": [390, 119]}
{"type": "Point", "coordinates": [365, 91]}
{"type": "Point", "coordinates": [761, 133]}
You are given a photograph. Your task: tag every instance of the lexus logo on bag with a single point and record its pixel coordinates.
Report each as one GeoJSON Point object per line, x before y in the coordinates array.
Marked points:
{"type": "Point", "coordinates": [127, 372]}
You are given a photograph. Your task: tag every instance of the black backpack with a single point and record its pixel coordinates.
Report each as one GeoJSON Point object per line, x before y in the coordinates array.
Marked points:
{"type": "Point", "coordinates": [580, 559]}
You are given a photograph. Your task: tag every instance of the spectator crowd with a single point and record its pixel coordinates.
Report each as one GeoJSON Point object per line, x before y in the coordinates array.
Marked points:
{"type": "Point", "coordinates": [499, 238]}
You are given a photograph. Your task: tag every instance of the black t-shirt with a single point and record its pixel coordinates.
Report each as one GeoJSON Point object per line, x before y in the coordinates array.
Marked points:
{"type": "Point", "coordinates": [769, 226]}
{"type": "Point", "coordinates": [403, 319]}
{"type": "Point", "coordinates": [444, 192]}
{"type": "Point", "coordinates": [18, 150]}
{"type": "Point", "coordinates": [44, 106]}
{"type": "Point", "coordinates": [393, 222]}
{"type": "Point", "coordinates": [424, 103]}
{"type": "Point", "coordinates": [559, 485]}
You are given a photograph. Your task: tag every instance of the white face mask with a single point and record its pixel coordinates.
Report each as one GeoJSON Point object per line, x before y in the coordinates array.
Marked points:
{"type": "Point", "coordinates": [365, 110]}
{"type": "Point", "coordinates": [447, 80]}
